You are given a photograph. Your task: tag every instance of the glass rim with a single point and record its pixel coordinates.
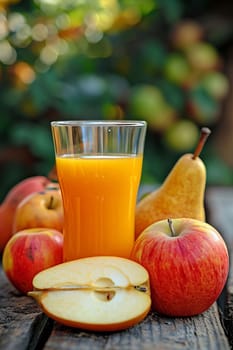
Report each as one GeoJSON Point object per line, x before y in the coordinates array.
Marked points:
{"type": "Point", "coordinates": [83, 122]}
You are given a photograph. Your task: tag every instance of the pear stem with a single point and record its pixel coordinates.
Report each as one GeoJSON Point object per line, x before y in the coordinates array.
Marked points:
{"type": "Point", "coordinates": [170, 223]}
{"type": "Point", "coordinates": [205, 132]}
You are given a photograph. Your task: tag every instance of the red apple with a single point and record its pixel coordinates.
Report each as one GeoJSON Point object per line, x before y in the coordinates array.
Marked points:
{"type": "Point", "coordinates": [188, 264]}
{"type": "Point", "coordinates": [29, 252]}
{"type": "Point", "coordinates": [40, 209]}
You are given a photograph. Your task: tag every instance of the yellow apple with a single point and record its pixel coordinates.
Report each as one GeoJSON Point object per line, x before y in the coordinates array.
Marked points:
{"type": "Point", "coordinates": [97, 293]}
{"type": "Point", "coordinates": [15, 195]}
{"type": "Point", "coordinates": [40, 209]}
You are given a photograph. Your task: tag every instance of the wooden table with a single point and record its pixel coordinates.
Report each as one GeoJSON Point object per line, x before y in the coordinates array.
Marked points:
{"type": "Point", "coordinates": [23, 326]}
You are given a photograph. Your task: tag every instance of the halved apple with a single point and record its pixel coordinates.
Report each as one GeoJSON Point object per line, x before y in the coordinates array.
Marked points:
{"type": "Point", "coordinates": [101, 293]}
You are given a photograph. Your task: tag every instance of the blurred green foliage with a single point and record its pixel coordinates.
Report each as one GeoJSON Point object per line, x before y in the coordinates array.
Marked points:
{"type": "Point", "coordinates": [110, 60]}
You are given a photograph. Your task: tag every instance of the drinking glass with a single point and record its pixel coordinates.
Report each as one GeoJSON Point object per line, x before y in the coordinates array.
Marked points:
{"type": "Point", "coordinates": [99, 166]}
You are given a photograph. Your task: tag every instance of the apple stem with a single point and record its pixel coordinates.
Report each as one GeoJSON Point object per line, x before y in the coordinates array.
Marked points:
{"type": "Point", "coordinates": [170, 223]}
{"type": "Point", "coordinates": [141, 289]}
{"type": "Point", "coordinates": [50, 206]}
{"type": "Point", "coordinates": [205, 132]}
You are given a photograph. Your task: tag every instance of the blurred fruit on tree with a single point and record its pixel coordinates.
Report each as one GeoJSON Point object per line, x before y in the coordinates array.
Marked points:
{"type": "Point", "coordinates": [161, 61]}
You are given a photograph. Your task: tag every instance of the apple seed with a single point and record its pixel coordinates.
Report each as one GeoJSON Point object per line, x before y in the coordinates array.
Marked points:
{"type": "Point", "coordinates": [105, 296]}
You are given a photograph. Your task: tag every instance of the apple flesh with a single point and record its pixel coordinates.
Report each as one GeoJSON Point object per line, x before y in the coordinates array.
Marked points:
{"type": "Point", "coordinates": [101, 293]}
{"type": "Point", "coordinates": [188, 264]}
{"type": "Point", "coordinates": [40, 209]}
{"type": "Point", "coordinates": [29, 252]}
{"type": "Point", "coordinates": [11, 201]}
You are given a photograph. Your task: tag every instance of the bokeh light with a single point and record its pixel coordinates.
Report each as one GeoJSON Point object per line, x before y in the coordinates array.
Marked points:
{"type": "Point", "coordinates": [24, 72]}
{"type": "Point", "coordinates": [8, 54]}
{"type": "Point", "coordinates": [3, 26]}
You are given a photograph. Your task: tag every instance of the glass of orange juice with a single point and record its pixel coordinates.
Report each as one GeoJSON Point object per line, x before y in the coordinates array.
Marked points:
{"type": "Point", "coordinates": [99, 166]}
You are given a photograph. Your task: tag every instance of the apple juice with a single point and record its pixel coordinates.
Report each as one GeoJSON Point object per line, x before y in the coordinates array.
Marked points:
{"type": "Point", "coordinates": [99, 197]}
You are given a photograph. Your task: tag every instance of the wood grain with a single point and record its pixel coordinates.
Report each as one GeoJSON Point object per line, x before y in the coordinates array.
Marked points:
{"type": "Point", "coordinates": [220, 215]}
{"type": "Point", "coordinates": [22, 325]}
{"type": "Point", "coordinates": [155, 332]}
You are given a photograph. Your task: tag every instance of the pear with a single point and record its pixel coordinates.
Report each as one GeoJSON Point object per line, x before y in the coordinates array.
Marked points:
{"type": "Point", "coordinates": [180, 195]}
